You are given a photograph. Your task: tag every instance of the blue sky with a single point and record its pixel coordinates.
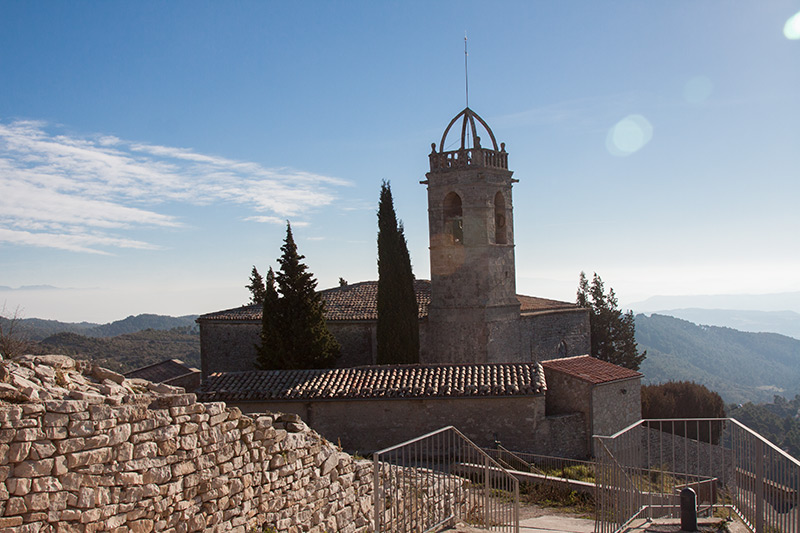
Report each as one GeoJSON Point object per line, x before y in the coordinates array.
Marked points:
{"type": "Point", "coordinates": [150, 152]}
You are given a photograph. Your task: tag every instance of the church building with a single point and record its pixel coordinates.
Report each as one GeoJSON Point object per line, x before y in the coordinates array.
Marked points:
{"type": "Point", "coordinates": [487, 354]}
{"type": "Point", "coordinates": [469, 311]}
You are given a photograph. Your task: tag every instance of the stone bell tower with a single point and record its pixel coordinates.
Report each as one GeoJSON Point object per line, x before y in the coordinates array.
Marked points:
{"type": "Point", "coordinates": [474, 312]}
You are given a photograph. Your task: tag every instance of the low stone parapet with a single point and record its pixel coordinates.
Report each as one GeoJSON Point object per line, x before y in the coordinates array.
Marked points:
{"type": "Point", "coordinates": [83, 449]}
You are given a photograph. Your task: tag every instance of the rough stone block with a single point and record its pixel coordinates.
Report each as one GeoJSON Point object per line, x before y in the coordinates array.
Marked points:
{"type": "Point", "coordinates": [65, 406]}
{"type": "Point", "coordinates": [16, 506]}
{"type": "Point", "coordinates": [119, 434]}
{"type": "Point", "coordinates": [10, 521]}
{"type": "Point", "coordinates": [100, 374]}
{"type": "Point", "coordinates": [31, 469]}
{"type": "Point", "coordinates": [96, 456]}
{"type": "Point", "coordinates": [81, 428]}
{"type": "Point", "coordinates": [42, 450]}
{"type": "Point", "coordinates": [19, 451]}
{"type": "Point", "coordinates": [29, 434]}
{"type": "Point", "coordinates": [56, 433]}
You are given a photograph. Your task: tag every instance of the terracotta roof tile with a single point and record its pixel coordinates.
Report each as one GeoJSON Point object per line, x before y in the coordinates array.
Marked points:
{"type": "Point", "coordinates": [358, 301]}
{"type": "Point", "coordinates": [591, 369]}
{"type": "Point", "coordinates": [391, 381]}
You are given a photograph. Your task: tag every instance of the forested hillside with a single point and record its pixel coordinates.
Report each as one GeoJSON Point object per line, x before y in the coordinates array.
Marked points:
{"type": "Point", "coordinates": [129, 351]}
{"type": "Point", "coordinates": [742, 367]}
{"type": "Point", "coordinates": [778, 421]}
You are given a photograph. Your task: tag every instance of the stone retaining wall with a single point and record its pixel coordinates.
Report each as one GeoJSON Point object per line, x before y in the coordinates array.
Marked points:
{"type": "Point", "coordinates": [141, 461]}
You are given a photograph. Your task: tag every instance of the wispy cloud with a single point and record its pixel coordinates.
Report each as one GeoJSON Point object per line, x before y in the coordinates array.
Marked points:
{"type": "Point", "coordinates": [82, 193]}
{"type": "Point", "coordinates": [276, 220]}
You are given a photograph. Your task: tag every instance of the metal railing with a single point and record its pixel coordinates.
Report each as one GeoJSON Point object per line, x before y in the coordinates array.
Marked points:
{"type": "Point", "coordinates": [439, 479]}
{"type": "Point", "coordinates": [641, 470]}
{"type": "Point", "coordinates": [545, 465]}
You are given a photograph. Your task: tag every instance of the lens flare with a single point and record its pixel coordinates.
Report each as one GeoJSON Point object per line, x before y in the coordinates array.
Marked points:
{"type": "Point", "coordinates": [697, 89]}
{"type": "Point", "coordinates": [629, 135]}
{"type": "Point", "coordinates": [792, 28]}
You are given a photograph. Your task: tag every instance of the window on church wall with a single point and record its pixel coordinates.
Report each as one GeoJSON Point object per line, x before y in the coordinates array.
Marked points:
{"type": "Point", "coordinates": [453, 217]}
{"type": "Point", "coordinates": [563, 348]}
{"type": "Point", "coordinates": [500, 230]}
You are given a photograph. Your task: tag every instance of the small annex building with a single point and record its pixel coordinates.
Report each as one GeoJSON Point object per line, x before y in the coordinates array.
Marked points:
{"type": "Point", "coordinates": [608, 395]}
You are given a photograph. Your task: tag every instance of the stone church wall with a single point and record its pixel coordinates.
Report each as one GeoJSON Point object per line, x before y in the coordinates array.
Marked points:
{"type": "Point", "coordinates": [359, 343]}
{"type": "Point", "coordinates": [519, 423]}
{"type": "Point", "coordinates": [555, 334]}
{"type": "Point", "coordinates": [139, 462]}
{"type": "Point", "coordinates": [228, 346]}
{"type": "Point", "coordinates": [231, 346]}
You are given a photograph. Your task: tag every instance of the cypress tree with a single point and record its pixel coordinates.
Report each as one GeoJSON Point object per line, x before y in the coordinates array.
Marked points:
{"type": "Point", "coordinates": [398, 313]}
{"type": "Point", "coordinates": [270, 350]}
{"type": "Point", "coordinates": [613, 332]}
{"type": "Point", "coordinates": [296, 324]}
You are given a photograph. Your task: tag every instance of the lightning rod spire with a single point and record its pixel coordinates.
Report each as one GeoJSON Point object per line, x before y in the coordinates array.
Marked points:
{"type": "Point", "coordinates": [466, 72]}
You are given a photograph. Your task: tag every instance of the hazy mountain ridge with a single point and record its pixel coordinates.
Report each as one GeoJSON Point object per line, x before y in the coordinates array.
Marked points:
{"type": "Point", "coordinates": [37, 329]}
{"type": "Point", "coordinates": [783, 301]}
{"type": "Point", "coordinates": [740, 366]}
{"type": "Point", "coordinates": [782, 322]}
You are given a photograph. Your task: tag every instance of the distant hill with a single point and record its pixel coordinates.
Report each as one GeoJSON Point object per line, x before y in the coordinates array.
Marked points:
{"type": "Point", "coordinates": [783, 322]}
{"type": "Point", "coordinates": [128, 351]}
{"type": "Point", "coordinates": [783, 301]}
{"type": "Point", "coordinates": [37, 329]}
{"type": "Point", "coordinates": [740, 366]}
{"type": "Point", "coordinates": [136, 323]}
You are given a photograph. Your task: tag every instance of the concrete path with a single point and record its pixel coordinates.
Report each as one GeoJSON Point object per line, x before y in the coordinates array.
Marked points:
{"type": "Point", "coordinates": [543, 524]}
{"type": "Point", "coordinates": [556, 523]}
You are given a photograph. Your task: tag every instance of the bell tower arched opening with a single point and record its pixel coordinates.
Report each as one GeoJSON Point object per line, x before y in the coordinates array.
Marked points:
{"type": "Point", "coordinates": [453, 217]}
{"type": "Point", "coordinates": [500, 230]}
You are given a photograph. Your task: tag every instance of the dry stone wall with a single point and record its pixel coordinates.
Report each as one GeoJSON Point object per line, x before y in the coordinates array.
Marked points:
{"type": "Point", "coordinates": [83, 449]}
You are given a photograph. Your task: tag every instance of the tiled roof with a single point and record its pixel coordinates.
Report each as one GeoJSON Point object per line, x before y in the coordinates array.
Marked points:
{"type": "Point", "coordinates": [391, 381]}
{"type": "Point", "coordinates": [163, 371]}
{"type": "Point", "coordinates": [358, 301]}
{"type": "Point", "coordinates": [533, 304]}
{"type": "Point", "coordinates": [590, 369]}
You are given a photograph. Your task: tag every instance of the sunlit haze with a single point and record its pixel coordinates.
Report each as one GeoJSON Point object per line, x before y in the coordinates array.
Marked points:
{"type": "Point", "coordinates": [151, 153]}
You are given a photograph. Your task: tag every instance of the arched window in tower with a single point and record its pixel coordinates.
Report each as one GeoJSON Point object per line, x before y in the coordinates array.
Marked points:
{"type": "Point", "coordinates": [453, 221]}
{"type": "Point", "coordinates": [500, 219]}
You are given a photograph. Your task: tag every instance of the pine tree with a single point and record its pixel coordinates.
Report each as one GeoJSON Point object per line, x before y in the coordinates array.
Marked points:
{"type": "Point", "coordinates": [294, 334]}
{"type": "Point", "coordinates": [256, 287]}
{"type": "Point", "coordinates": [613, 332]}
{"type": "Point", "coordinates": [398, 313]}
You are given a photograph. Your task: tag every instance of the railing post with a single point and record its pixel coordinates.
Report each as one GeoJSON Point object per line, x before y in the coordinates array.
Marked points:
{"type": "Point", "coordinates": [759, 486]}
{"type": "Point", "coordinates": [375, 498]}
{"type": "Point", "coordinates": [486, 490]}
{"type": "Point", "coordinates": [516, 506]}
